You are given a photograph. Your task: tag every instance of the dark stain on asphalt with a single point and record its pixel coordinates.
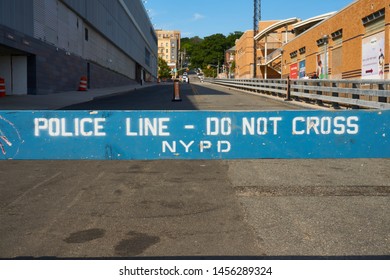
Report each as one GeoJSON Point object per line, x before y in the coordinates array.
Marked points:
{"type": "Point", "coordinates": [118, 192]}
{"type": "Point", "coordinates": [136, 244]}
{"type": "Point", "coordinates": [85, 235]}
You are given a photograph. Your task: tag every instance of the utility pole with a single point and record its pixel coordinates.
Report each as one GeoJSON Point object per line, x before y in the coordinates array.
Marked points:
{"type": "Point", "coordinates": [256, 21]}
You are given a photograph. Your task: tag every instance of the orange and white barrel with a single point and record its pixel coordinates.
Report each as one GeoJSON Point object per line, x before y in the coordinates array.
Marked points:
{"type": "Point", "coordinates": [83, 83]}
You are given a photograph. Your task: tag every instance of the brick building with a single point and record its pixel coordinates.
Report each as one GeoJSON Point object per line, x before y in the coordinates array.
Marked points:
{"type": "Point", "coordinates": [351, 44]}
{"type": "Point", "coordinates": [229, 66]}
{"type": "Point", "coordinates": [272, 36]}
{"type": "Point", "coordinates": [244, 56]}
{"type": "Point", "coordinates": [269, 41]}
{"type": "Point", "coordinates": [169, 46]}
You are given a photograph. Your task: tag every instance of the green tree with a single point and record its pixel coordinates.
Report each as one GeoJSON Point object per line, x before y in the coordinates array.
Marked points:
{"type": "Point", "coordinates": [164, 71]}
{"type": "Point", "coordinates": [188, 44]}
{"type": "Point", "coordinates": [233, 67]}
{"type": "Point", "coordinates": [232, 37]}
{"type": "Point", "coordinates": [214, 47]}
{"type": "Point", "coordinates": [210, 72]}
{"type": "Point", "coordinates": [190, 47]}
{"type": "Point", "coordinates": [210, 50]}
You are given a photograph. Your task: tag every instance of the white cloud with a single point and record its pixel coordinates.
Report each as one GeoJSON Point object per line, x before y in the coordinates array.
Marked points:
{"type": "Point", "coordinates": [197, 17]}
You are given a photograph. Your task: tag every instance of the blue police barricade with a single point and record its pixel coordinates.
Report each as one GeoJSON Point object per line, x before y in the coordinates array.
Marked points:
{"type": "Point", "coordinates": [152, 135]}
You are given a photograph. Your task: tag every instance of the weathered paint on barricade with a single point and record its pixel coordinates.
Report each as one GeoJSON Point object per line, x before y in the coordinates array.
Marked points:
{"type": "Point", "coordinates": [153, 135]}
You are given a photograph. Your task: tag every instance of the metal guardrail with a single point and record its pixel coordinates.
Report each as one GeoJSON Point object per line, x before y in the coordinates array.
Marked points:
{"type": "Point", "coordinates": [355, 94]}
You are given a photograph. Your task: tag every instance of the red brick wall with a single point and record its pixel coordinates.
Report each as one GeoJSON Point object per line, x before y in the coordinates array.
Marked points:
{"type": "Point", "coordinates": [350, 21]}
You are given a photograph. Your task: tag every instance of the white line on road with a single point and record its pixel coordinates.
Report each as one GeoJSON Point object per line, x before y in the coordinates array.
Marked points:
{"type": "Point", "coordinates": [33, 188]}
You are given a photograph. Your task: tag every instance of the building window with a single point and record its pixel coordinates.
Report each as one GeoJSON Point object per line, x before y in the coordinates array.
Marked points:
{"type": "Point", "coordinates": [293, 54]}
{"type": "Point", "coordinates": [374, 16]}
{"type": "Point", "coordinates": [86, 34]}
{"type": "Point", "coordinates": [337, 34]}
{"type": "Point", "coordinates": [147, 57]}
{"type": "Point", "coordinates": [322, 41]}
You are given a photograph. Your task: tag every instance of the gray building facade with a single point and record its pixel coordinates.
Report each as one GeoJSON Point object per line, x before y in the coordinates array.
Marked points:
{"type": "Point", "coordinates": [46, 46]}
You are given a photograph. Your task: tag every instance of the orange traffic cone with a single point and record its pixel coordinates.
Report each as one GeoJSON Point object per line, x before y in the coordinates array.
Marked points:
{"type": "Point", "coordinates": [2, 87]}
{"type": "Point", "coordinates": [83, 84]}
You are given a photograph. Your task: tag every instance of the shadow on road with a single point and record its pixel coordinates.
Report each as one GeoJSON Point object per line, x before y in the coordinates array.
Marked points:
{"type": "Point", "coordinates": [153, 98]}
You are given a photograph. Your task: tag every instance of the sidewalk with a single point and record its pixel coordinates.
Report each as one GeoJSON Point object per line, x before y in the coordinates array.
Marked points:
{"type": "Point", "coordinates": [56, 101]}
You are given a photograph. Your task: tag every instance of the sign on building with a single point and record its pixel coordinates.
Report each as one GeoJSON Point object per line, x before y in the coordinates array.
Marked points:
{"type": "Point", "coordinates": [373, 65]}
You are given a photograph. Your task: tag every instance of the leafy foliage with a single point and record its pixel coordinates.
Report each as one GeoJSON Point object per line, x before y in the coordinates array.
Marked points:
{"type": "Point", "coordinates": [209, 51]}
{"type": "Point", "coordinates": [163, 69]}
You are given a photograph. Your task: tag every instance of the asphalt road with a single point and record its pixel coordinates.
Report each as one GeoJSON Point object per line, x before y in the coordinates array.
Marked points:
{"type": "Point", "coordinates": [264, 208]}
{"type": "Point", "coordinates": [195, 96]}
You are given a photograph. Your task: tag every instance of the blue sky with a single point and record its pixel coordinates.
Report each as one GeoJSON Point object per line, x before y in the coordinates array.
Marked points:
{"type": "Point", "coordinates": [206, 17]}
